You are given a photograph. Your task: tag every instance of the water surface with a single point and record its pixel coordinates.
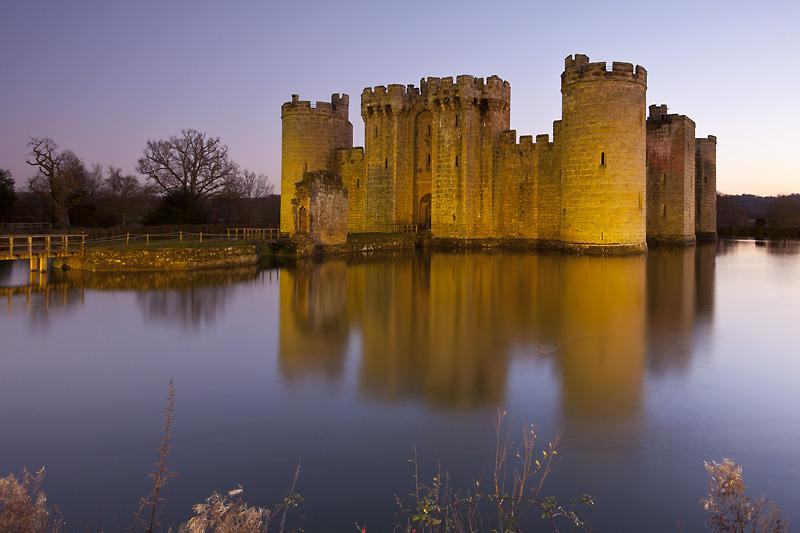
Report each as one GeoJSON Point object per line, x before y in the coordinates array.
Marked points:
{"type": "Point", "coordinates": [647, 365]}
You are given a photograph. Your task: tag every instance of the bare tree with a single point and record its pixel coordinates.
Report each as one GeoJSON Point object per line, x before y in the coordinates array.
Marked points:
{"type": "Point", "coordinates": [189, 163]}
{"type": "Point", "coordinates": [125, 194]}
{"type": "Point", "coordinates": [57, 178]}
{"type": "Point", "coordinates": [784, 211]}
{"type": "Point", "coordinates": [248, 184]}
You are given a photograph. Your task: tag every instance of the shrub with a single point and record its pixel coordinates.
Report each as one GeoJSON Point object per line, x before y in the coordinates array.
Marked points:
{"type": "Point", "coordinates": [23, 505]}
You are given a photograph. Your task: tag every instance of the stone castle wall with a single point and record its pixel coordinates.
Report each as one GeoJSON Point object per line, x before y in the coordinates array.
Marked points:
{"type": "Point", "coordinates": [310, 136]}
{"type": "Point", "coordinates": [603, 154]}
{"type": "Point", "coordinates": [670, 177]}
{"type": "Point", "coordinates": [442, 156]}
{"type": "Point", "coordinates": [321, 204]}
{"type": "Point", "coordinates": [706, 187]}
{"type": "Point", "coordinates": [350, 166]}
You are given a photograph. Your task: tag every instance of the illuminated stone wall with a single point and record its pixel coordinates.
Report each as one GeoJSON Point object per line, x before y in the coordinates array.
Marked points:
{"type": "Point", "coordinates": [321, 202]}
{"type": "Point", "coordinates": [706, 187]}
{"type": "Point", "coordinates": [310, 135]}
{"type": "Point", "coordinates": [670, 178]}
{"type": "Point", "coordinates": [350, 166]}
{"type": "Point", "coordinates": [186, 257]}
{"type": "Point", "coordinates": [445, 148]}
{"type": "Point", "coordinates": [603, 155]}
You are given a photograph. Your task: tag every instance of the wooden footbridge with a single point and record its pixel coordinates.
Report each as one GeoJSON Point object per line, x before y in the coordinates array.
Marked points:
{"type": "Point", "coordinates": [38, 249]}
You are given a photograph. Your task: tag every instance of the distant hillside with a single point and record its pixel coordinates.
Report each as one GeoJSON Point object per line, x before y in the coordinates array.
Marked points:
{"type": "Point", "coordinates": [758, 215]}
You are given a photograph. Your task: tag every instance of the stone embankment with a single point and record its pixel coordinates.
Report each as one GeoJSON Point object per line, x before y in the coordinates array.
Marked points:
{"type": "Point", "coordinates": [175, 257]}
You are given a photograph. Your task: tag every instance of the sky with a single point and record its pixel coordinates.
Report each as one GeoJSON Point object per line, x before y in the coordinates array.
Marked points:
{"type": "Point", "coordinates": [102, 77]}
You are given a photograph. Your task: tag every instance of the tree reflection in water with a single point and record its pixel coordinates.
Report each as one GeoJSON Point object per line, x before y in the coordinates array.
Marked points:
{"type": "Point", "coordinates": [189, 299]}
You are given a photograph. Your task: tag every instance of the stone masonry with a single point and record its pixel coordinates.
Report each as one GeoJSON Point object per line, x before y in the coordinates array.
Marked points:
{"type": "Point", "coordinates": [441, 156]}
{"type": "Point", "coordinates": [320, 207]}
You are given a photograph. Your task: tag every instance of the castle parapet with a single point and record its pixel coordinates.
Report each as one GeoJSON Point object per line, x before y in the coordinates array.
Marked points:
{"type": "Point", "coordinates": [577, 68]}
{"type": "Point", "coordinates": [396, 98]}
{"type": "Point", "coordinates": [657, 111]}
{"type": "Point", "coordinates": [508, 137]}
{"type": "Point", "coordinates": [466, 90]}
{"type": "Point", "coordinates": [658, 115]}
{"type": "Point", "coordinates": [345, 156]}
{"type": "Point", "coordinates": [339, 106]}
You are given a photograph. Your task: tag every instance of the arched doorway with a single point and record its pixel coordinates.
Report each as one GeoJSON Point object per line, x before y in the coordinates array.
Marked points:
{"type": "Point", "coordinates": [302, 220]}
{"type": "Point", "coordinates": [425, 212]}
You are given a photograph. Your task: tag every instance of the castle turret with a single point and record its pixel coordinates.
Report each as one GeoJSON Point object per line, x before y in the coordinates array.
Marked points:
{"type": "Point", "coordinates": [670, 178]}
{"type": "Point", "coordinates": [603, 169]}
{"type": "Point", "coordinates": [706, 188]}
{"type": "Point", "coordinates": [311, 135]}
{"type": "Point", "coordinates": [389, 115]}
{"type": "Point", "coordinates": [468, 115]}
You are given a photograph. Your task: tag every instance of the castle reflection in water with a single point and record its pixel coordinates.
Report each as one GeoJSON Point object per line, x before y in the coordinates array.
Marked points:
{"type": "Point", "coordinates": [444, 327]}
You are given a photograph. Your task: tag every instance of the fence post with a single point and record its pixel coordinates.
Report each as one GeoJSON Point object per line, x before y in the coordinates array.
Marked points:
{"type": "Point", "coordinates": [47, 245]}
{"type": "Point", "coordinates": [147, 239]}
{"type": "Point", "coordinates": [30, 245]}
{"type": "Point", "coordinates": [127, 239]}
{"type": "Point", "coordinates": [201, 236]}
{"type": "Point", "coordinates": [229, 233]}
{"type": "Point", "coordinates": [83, 243]}
{"type": "Point", "coordinates": [180, 236]}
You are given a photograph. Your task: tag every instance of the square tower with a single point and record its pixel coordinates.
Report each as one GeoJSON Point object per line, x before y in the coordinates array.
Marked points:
{"type": "Point", "coordinates": [670, 178]}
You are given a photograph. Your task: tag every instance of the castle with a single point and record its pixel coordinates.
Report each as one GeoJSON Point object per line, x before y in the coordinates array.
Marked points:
{"type": "Point", "coordinates": [441, 157]}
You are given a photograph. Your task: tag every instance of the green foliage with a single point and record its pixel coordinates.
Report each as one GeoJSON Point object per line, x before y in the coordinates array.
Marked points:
{"type": "Point", "coordinates": [516, 487]}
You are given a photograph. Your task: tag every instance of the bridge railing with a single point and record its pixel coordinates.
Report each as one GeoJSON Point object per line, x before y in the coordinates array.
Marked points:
{"type": "Point", "coordinates": [26, 246]}
{"type": "Point", "coordinates": [231, 234]}
{"type": "Point", "coordinates": [22, 246]}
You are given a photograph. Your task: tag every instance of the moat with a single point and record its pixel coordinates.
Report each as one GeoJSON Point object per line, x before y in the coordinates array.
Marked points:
{"type": "Point", "coordinates": [647, 364]}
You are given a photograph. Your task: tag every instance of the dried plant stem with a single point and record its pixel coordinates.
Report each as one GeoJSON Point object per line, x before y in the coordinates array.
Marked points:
{"type": "Point", "coordinates": [162, 473]}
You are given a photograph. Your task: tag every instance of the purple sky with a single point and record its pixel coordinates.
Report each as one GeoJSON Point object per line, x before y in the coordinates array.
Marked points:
{"type": "Point", "coordinates": [101, 77]}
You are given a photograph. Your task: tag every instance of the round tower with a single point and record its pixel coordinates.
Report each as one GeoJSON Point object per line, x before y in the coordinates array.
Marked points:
{"type": "Point", "coordinates": [603, 159]}
{"type": "Point", "coordinates": [310, 136]}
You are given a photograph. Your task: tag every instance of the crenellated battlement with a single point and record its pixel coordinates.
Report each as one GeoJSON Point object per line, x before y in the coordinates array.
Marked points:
{"type": "Point", "coordinates": [657, 111]}
{"type": "Point", "coordinates": [466, 89]}
{"type": "Point", "coordinates": [440, 155]}
{"type": "Point", "coordinates": [658, 115]}
{"type": "Point", "coordinates": [711, 139]}
{"type": "Point", "coordinates": [526, 142]}
{"type": "Point", "coordinates": [577, 68]}
{"type": "Point", "coordinates": [350, 156]}
{"type": "Point", "coordinates": [394, 98]}
{"type": "Point", "coordinates": [339, 106]}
